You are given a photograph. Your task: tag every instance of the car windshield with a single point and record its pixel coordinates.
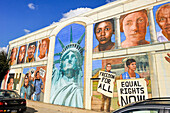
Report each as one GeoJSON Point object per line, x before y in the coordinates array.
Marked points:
{"type": "Point", "coordinates": [8, 94]}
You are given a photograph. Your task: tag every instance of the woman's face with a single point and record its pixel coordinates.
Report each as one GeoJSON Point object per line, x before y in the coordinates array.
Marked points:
{"type": "Point", "coordinates": [43, 48]}
{"type": "Point", "coordinates": [132, 66]}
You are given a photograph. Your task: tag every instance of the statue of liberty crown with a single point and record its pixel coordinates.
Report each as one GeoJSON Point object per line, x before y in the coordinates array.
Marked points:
{"type": "Point", "coordinates": [70, 46]}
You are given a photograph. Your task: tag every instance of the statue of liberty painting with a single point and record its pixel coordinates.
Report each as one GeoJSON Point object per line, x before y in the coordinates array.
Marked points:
{"type": "Point", "coordinates": [66, 87]}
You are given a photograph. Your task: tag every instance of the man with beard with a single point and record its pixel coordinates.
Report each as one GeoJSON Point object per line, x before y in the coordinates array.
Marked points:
{"type": "Point", "coordinates": [163, 20]}
{"type": "Point", "coordinates": [134, 25]}
{"type": "Point", "coordinates": [30, 52]}
{"type": "Point", "coordinates": [103, 31]}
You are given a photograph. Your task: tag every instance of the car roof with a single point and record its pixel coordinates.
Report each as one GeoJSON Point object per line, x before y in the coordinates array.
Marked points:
{"type": "Point", "coordinates": [154, 103]}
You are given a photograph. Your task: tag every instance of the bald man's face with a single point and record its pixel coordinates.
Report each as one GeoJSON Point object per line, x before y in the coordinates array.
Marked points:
{"type": "Point", "coordinates": [164, 19]}
{"type": "Point", "coordinates": [135, 26]}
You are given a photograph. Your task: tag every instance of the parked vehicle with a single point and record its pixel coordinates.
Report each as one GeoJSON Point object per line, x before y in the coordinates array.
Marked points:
{"type": "Point", "coordinates": [10, 101]}
{"type": "Point", "coordinates": [152, 105]}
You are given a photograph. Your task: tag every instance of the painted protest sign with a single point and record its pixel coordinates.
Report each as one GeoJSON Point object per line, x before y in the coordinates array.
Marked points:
{"type": "Point", "coordinates": [42, 72]}
{"type": "Point", "coordinates": [106, 83]}
{"type": "Point", "coordinates": [131, 90]}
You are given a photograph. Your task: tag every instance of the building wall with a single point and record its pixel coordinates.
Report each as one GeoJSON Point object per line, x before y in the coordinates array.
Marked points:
{"type": "Point", "coordinates": [150, 47]}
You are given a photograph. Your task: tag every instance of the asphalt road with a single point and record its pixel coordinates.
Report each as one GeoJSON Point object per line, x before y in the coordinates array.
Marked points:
{"type": "Point", "coordinates": [40, 107]}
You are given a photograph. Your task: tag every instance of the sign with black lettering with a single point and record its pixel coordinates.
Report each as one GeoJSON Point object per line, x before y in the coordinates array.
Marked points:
{"type": "Point", "coordinates": [131, 90]}
{"type": "Point", "coordinates": [106, 83]}
{"type": "Point", "coordinates": [42, 72]}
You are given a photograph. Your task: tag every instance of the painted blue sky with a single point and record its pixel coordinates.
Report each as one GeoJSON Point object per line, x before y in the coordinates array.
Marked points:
{"type": "Point", "coordinates": [19, 17]}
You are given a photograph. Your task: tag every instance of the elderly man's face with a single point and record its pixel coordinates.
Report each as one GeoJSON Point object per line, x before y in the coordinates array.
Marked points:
{"type": "Point", "coordinates": [104, 32]}
{"type": "Point", "coordinates": [22, 53]}
{"type": "Point", "coordinates": [164, 19]}
{"type": "Point", "coordinates": [43, 48]}
{"type": "Point", "coordinates": [70, 61]}
{"type": "Point", "coordinates": [31, 51]}
{"type": "Point", "coordinates": [135, 26]}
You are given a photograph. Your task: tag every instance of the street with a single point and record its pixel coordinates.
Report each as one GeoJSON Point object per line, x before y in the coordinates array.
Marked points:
{"type": "Point", "coordinates": [40, 107]}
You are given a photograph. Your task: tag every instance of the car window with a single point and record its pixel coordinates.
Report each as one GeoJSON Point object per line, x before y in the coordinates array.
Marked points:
{"type": "Point", "coordinates": [143, 111]}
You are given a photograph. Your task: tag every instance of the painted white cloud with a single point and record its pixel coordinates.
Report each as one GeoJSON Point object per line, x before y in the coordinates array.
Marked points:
{"type": "Point", "coordinates": [31, 6]}
{"type": "Point", "coordinates": [73, 13]}
{"type": "Point", "coordinates": [108, 1]}
{"type": "Point", "coordinates": [27, 31]}
{"type": "Point", "coordinates": [3, 49]}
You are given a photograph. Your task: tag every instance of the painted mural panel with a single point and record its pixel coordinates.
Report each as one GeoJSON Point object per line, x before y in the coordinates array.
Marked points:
{"type": "Point", "coordinates": [125, 68]}
{"type": "Point", "coordinates": [31, 52]}
{"type": "Point", "coordinates": [104, 36]}
{"type": "Point", "coordinates": [43, 49]}
{"type": "Point", "coordinates": [13, 56]}
{"type": "Point", "coordinates": [68, 73]}
{"type": "Point", "coordinates": [163, 66]}
{"type": "Point", "coordinates": [134, 28]}
{"type": "Point", "coordinates": [11, 80]}
{"type": "Point", "coordinates": [162, 21]}
{"type": "Point", "coordinates": [22, 54]}
{"type": "Point", "coordinates": [33, 83]}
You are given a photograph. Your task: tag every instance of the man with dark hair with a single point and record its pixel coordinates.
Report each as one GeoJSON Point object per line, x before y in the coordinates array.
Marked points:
{"type": "Point", "coordinates": [130, 74]}
{"type": "Point", "coordinates": [38, 86]}
{"type": "Point", "coordinates": [30, 52]}
{"type": "Point", "coordinates": [106, 98]}
{"type": "Point", "coordinates": [103, 31]}
{"type": "Point", "coordinates": [163, 20]}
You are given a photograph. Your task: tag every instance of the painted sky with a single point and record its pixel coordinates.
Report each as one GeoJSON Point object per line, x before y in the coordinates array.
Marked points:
{"type": "Point", "coordinates": [19, 17]}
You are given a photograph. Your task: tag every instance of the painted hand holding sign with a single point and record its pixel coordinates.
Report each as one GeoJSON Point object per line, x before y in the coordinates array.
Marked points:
{"type": "Point", "coordinates": [131, 90]}
{"type": "Point", "coordinates": [106, 83]}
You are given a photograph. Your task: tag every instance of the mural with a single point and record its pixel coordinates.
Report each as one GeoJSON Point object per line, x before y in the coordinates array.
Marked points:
{"type": "Point", "coordinates": [43, 49]}
{"type": "Point", "coordinates": [13, 56]}
{"type": "Point", "coordinates": [33, 83]}
{"type": "Point", "coordinates": [162, 21]}
{"type": "Point", "coordinates": [103, 36]}
{"type": "Point", "coordinates": [134, 28]}
{"type": "Point", "coordinates": [31, 52]}
{"type": "Point", "coordinates": [21, 55]}
{"type": "Point", "coordinates": [124, 68]}
{"type": "Point", "coordinates": [11, 80]}
{"type": "Point", "coordinates": [67, 77]}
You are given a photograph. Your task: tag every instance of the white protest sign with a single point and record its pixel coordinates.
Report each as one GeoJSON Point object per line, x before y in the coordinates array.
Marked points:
{"type": "Point", "coordinates": [106, 83]}
{"type": "Point", "coordinates": [42, 72]}
{"type": "Point", "coordinates": [131, 90]}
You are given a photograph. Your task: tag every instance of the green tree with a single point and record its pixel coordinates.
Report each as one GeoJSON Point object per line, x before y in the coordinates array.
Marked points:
{"type": "Point", "coordinates": [4, 65]}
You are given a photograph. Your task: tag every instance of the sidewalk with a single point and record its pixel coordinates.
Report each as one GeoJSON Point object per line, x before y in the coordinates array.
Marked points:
{"type": "Point", "coordinates": [40, 107]}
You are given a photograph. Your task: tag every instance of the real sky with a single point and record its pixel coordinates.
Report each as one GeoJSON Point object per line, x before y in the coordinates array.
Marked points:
{"type": "Point", "coordinates": [19, 17]}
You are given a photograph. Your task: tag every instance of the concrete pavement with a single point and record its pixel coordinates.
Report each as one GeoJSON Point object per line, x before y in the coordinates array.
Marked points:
{"type": "Point", "coordinates": [40, 107]}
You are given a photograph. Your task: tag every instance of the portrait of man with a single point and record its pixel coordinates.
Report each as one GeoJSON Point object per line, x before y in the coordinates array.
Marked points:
{"type": "Point", "coordinates": [38, 85]}
{"type": "Point", "coordinates": [163, 20]}
{"type": "Point", "coordinates": [130, 74]}
{"type": "Point", "coordinates": [30, 52]}
{"type": "Point", "coordinates": [134, 25]}
{"type": "Point", "coordinates": [103, 32]}
{"type": "Point", "coordinates": [21, 55]}
{"type": "Point", "coordinates": [66, 86]}
{"type": "Point", "coordinates": [43, 49]}
{"type": "Point", "coordinates": [106, 99]}
{"type": "Point", "coordinates": [13, 56]}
